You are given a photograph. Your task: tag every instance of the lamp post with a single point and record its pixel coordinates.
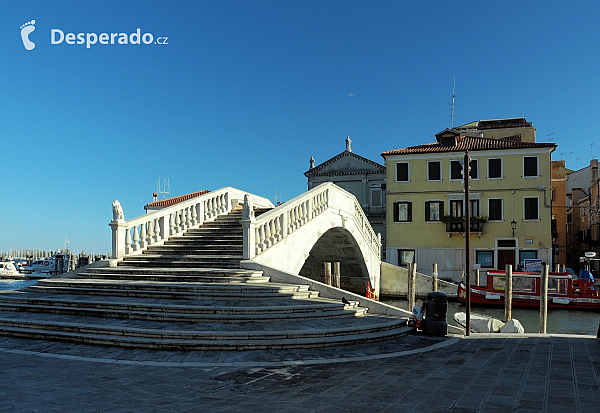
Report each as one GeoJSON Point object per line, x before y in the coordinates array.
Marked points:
{"type": "Point", "coordinates": [466, 175]}
{"type": "Point", "coordinates": [513, 225]}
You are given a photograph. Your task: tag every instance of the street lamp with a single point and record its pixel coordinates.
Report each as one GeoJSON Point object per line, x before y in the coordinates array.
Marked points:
{"type": "Point", "coordinates": [513, 225]}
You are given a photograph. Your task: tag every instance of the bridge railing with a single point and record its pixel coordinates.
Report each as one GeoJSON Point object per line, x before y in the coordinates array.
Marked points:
{"type": "Point", "coordinates": [270, 228]}
{"type": "Point", "coordinates": [137, 234]}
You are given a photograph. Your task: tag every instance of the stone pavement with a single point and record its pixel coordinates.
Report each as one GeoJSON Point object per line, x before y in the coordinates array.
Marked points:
{"type": "Point", "coordinates": [482, 373]}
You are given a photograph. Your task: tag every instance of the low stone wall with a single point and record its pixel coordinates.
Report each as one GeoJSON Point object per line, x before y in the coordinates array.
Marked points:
{"type": "Point", "coordinates": [394, 283]}
{"type": "Point", "coordinates": [75, 272]}
{"type": "Point", "coordinates": [324, 289]}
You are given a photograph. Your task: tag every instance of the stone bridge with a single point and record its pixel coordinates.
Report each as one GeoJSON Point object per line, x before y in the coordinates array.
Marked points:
{"type": "Point", "coordinates": [325, 224]}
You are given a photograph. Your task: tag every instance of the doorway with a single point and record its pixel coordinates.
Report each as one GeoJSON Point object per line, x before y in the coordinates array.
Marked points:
{"type": "Point", "coordinates": [506, 257]}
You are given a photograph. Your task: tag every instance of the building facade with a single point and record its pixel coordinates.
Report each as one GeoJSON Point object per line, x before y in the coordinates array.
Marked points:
{"type": "Point", "coordinates": [509, 197]}
{"type": "Point", "coordinates": [358, 175]}
{"type": "Point", "coordinates": [583, 216]}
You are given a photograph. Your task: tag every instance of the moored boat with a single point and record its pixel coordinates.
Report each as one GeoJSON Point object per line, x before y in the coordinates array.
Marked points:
{"type": "Point", "coordinates": [8, 269]}
{"type": "Point", "coordinates": [564, 292]}
{"type": "Point", "coordinates": [48, 267]}
{"type": "Point", "coordinates": [482, 323]}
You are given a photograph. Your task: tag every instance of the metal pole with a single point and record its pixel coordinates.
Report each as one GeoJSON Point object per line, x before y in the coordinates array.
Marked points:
{"type": "Point", "coordinates": [467, 242]}
{"type": "Point", "coordinates": [508, 293]}
{"type": "Point", "coordinates": [543, 298]}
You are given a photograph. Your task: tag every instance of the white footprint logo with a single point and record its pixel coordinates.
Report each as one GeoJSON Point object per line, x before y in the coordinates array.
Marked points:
{"type": "Point", "coordinates": [25, 30]}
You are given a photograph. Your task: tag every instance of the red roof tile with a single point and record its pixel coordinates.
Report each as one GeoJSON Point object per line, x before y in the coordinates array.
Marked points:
{"type": "Point", "coordinates": [471, 143]}
{"type": "Point", "coordinates": [175, 200]}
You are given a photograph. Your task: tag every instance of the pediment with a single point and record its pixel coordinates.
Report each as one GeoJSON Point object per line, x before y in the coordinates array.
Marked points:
{"type": "Point", "coordinates": [346, 163]}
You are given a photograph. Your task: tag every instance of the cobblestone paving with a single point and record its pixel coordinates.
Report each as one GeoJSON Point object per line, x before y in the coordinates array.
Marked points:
{"type": "Point", "coordinates": [528, 373]}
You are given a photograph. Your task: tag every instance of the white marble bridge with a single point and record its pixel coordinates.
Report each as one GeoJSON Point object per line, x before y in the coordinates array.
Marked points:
{"type": "Point", "coordinates": [325, 224]}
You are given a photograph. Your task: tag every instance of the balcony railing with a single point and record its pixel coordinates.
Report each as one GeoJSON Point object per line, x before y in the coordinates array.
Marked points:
{"type": "Point", "coordinates": [476, 226]}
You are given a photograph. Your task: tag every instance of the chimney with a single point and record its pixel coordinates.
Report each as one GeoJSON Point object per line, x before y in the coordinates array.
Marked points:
{"type": "Point", "coordinates": [154, 197]}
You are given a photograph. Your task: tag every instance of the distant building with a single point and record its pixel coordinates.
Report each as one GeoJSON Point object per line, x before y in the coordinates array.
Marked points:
{"type": "Point", "coordinates": [358, 175]}
{"type": "Point", "coordinates": [499, 128]}
{"type": "Point", "coordinates": [163, 203]}
{"type": "Point", "coordinates": [559, 212]}
{"type": "Point", "coordinates": [583, 216]}
{"type": "Point", "coordinates": [510, 198]}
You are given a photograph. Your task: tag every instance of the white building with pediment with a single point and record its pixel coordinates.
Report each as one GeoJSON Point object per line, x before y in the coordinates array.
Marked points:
{"type": "Point", "coordinates": [358, 175]}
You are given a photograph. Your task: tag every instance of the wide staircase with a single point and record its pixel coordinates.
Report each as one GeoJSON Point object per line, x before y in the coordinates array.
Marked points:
{"type": "Point", "coordinates": [189, 294]}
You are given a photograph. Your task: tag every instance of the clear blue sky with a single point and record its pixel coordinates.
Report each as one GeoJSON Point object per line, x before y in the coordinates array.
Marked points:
{"type": "Point", "coordinates": [245, 92]}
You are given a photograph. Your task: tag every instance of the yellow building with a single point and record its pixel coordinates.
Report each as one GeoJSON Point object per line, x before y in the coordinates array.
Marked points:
{"type": "Point", "coordinates": [509, 196]}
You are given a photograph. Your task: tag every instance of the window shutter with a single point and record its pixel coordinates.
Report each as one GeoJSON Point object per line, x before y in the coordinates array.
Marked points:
{"type": "Point", "coordinates": [396, 213]}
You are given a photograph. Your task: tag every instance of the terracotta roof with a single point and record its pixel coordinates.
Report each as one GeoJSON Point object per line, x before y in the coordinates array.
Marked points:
{"type": "Point", "coordinates": [175, 200]}
{"type": "Point", "coordinates": [471, 143]}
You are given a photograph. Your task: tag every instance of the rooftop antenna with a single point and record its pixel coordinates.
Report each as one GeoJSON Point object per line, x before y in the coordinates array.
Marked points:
{"type": "Point", "coordinates": [592, 149]}
{"type": "Point", "coordinates": [550, 138]}
{"type": "Point", "coordinates": [166, 187]}
{"type": "Point", "coordinates": [452, 116]}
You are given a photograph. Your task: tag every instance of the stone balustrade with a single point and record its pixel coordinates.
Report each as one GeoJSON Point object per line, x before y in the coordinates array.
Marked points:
{"type": "Point", "coordinates": [268, 229]}
{"type": "Point", "coordinates": [135, 235]}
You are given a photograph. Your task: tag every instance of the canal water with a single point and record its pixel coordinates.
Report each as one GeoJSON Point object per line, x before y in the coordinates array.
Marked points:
{"type": "Point", "coordinates": [559, 321]}
{"type": "Point", "coordinates": [15, 284]}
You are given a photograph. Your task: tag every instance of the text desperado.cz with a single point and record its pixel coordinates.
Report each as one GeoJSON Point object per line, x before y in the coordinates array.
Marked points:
{"type": "Point", "coordinates": [57, 36]}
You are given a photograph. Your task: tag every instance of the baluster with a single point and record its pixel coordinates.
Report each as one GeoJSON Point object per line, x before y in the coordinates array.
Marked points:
{"type": "Point", "coordinates": [171, 224]}
{"type": "Point", "coordinates": [261, 238]}
{"type": "Point", "coordinates": [256, 241]}
{"type": "Point", "coordinates": [273, 232]}
{"type": "Point", "coordinates": [188, 217]}
{"type": "Point", "coordinates": [156, 230]}
{"type": "Point", "coordinates": [143, 236]}
{"type": "Point", "coordinates": [194, 216]}
{"type": "Point", "coordinates": [267, 235]}
{"type": "Point", "coordinates": [150, 236]}
{"type": "Point", "coordinates": [128, 244]}
{"type": "Point", "coordinates": [182, 220]}
{"type": "Point", "coordinates": [177, 222]}
{"type": "Point", "coordinates": [136, 238]}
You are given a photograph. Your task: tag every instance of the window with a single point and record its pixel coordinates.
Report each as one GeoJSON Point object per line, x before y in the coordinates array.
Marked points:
{"type": "Point", "coordinates": [474, 164]}
{"type": "Point", "coordinates": [531, 208]}
{"type": "Point", "coordinates": [526, 255]}
{"type": "Point", "coordinates": [530, 166]}
{"type": "Point", "coordinates": [506, 243]}
{"type": "Point", "coordinates": [495, 209]}
{"type": "Point", "coordinates": [474, 208]}
{"type": "Point", "coordinates": [434, 210]}
{"type": "Point", "coordinates": [455, 170]}
{"type": "Point", "coordinates": [403, 211]}
{"type": "Point", "coordinates": [485, 259]}
{"type": "Point", "coordinates": [376, 196]}
{"type": "Point", "coordinates": [456, 208]}
{"type": "Point", "coordinates": [494, 168]}
{"type": "Point", "coordinates": [434, 170]}
{"type": "Point", "coordinates": [402, 172]}
{"type": "Point", "coordinates": [406, 257]}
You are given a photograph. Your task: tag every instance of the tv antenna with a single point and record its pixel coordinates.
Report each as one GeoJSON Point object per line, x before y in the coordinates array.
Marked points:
{"type": "Point", "coordinates": [166, 187]}
{"type": "Point", "coordinates": [592, 149]}
{"type": "Point", "coordinates": [452, 115]}
{"type": "Point", "coordinates": [550, 138]}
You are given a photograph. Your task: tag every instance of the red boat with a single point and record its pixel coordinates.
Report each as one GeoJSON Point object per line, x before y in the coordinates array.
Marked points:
{"type": "Point", "coordinates": [564, 292]}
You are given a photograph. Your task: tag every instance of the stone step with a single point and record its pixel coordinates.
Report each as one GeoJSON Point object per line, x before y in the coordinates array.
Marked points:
{"type": "Point", "coordinates": [176, 295]}
{"type": "Point", "coordinates": [178, 339]}
{"type": "Point", "coordinates": [123, 269]}
{"type": "Point", "coordinates": [206, 278]}
{"type": "Point", "coordinates": [178, 313]}
{"type": "Point", "coordinates": [194, 249]}
{"type": "Point", "coordinates": [238, 287]}
{"type": "Point", "coordinates": [202, 240]}
{"type": "Point", "coordinates": [157, 263]}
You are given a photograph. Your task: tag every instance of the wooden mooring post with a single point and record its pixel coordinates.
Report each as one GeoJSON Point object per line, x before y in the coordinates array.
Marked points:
{"type": "Point", "coordinates": [476, 277]}
{"type": "Point", "coordinates": [327, 273]}
{"type": "Point", "coordinates": [336, 274]}
{"type": "Point", "coordinates": [434, 278]}
{"type": "Point", "coordinates": [508, 294]}
{"type": "Point", "coordinates": [412, 276]}
{"type": "Point", "coordinates": [544, 298]}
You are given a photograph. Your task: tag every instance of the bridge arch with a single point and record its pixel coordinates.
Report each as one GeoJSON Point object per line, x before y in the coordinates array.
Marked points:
{"type": "Point", "coordinates": [337, 245]}
{"type": "Point", "coordinates": [323, 224]}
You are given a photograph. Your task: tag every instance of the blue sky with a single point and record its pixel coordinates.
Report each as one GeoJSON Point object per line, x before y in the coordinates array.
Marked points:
{"type": "Point", "coordinates": [245, 92]}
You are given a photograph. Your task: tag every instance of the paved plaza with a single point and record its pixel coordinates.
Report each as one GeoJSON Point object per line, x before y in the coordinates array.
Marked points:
{"type": "Point", "coordinates": [499, 373]}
